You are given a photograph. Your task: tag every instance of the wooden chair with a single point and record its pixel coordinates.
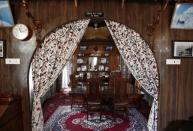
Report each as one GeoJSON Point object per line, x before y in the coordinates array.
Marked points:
{"type": "Point", "coordinates": [93, 99]}
{"type": "Point", "coordinates": [134, 100]}
{"type": "Point", "coordinates": [76, 95]}
{"type": "Point", "coordinates": [120, 99]}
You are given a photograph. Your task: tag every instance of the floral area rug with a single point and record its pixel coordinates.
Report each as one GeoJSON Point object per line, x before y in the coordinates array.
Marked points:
{"type": "Point", "coordinates": [51, 104]}
{"type": "Point", "coordinates": [67, 119]}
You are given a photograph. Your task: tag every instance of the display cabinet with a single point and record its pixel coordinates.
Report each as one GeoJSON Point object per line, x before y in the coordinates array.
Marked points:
{"type": "Point", "coordinates": [96, 59]}
{"type": "Point", "coordinates": [91, 66]}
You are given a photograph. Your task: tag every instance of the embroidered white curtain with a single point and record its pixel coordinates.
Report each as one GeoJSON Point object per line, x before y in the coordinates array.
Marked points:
{"type": "Point", "coordinates": [140, 61]}
{"type": "Point", "coordinates": [59, 46]}
{"type": "Point", "coordinates": [49, 61]}
{"type": "Point", "coordinates": [66, 72]}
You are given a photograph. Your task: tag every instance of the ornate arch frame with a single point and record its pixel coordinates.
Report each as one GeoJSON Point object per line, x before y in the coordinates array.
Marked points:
{"type": "Point", "coordinates": [134, 50]}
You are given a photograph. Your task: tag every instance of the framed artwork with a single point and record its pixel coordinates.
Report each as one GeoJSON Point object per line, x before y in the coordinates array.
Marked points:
{"type": "Point", "coordinates": [182, 16]}
{"type": "Point", "coordinates": [103, 60]}
{"type": "Point", "coordinates": [101, 67]}
{"type": "Point", "coordinates": [80, 61]}
{"type": "Point", "coordinates": [83, 68]}
{"type": "Point", "coordinates": [109, 48]}
{"type": "Point", "coordinates": [183, 48]}
{"type": "Point", "coordinates": [83, 47]}
{"type": "Point", "coordinates": [6, 18]}
{"type": "Point", "coordinates": [2, 49]}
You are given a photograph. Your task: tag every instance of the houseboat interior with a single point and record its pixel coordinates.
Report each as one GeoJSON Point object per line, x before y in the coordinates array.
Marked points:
{"type": "Point", "coordinates": [96, 65]}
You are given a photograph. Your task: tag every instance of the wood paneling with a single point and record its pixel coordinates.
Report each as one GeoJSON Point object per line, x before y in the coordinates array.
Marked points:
{"type": "Point", "coordinates": [176, 91]}
{"type": "Point", "coordinates": [11, 116]}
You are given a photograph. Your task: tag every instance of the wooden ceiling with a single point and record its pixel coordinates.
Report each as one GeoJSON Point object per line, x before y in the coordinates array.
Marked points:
{"type": "Point", "coordinates": [142, 1]}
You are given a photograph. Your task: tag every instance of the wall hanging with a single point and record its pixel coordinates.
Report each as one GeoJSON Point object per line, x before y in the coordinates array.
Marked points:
{"type": "Point", "coordinates": [182, 16]}
{"type": "Point", "coordinates": [6, 18]}
{"type": "Point", "coordinates": [2, 48]}
{"type": "Point", "coordinates": [183, 48]}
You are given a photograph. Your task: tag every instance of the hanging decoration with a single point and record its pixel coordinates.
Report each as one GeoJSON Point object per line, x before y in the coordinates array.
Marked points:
{"type": "Point", "coordinates": [151, 28]}
{"type": "Point", "coordinates": [36, 24]}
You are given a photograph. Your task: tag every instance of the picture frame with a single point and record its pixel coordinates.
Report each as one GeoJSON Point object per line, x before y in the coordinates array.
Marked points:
{"type": "Point", "coordinates": [109, 48]}
{"type": "Point", "coordinates": [81, 61]}
{"type": "Point", "coordinates": [83, 47]}
{"type": "Point", "coordinates": [101, 67]}
{"type": "Point", "coordinates": [2, 48]}
{"type": "Point", "coordinates": [6, 17]}
{"type": "Point", "coordinates": [182, 16]}
{"type": "Point", "coordinates": [183, 49]}
{"type": "Point", "coordinates": [103, 60]}
{"type": "Point", "coordinates": [83, 68]}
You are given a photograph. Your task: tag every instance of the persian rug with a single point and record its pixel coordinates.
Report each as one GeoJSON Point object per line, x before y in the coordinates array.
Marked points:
{"type": "Point", "coordinates": [67, 119]}
{"type": "Point", "coordinates": [51, 104]}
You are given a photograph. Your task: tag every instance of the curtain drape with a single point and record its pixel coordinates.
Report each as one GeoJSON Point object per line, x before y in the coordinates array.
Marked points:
{"type": "Point", "coordinates": [140, 61]}
{"type": "Point", "coordinates": [59, 46]}
{"type": "Point", "coordinates": [67, 71]}
{"type": "Point", "coordinates": [49, 60]}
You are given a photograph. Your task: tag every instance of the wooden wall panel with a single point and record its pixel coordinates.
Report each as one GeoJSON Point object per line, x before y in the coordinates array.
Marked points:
{"type": "Point", "coordinates": [176, 91]}
{"type": "Point", "coordinates": [175, 81]}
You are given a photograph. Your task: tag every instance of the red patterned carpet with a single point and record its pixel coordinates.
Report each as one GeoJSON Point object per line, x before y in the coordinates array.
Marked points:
{"type": "Point", "coordinates": [62, 98]}
{"type": "Point", "coordinates": [79, 122]}
{"type": "Point", "coordinates": [51, 104]}
{"type": "Point", "coordinates": [65, 119]}
{"type": "Point", "coordinates": [58, 116]}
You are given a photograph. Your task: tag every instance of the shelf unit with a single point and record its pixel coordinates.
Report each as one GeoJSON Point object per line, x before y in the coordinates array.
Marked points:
{"type": "Point", "coordinates": [90, 66]}
{"type": "Point", "coordinates": [94, 59]}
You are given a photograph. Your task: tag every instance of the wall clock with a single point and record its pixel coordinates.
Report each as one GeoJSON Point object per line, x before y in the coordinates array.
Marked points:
{"type": "Point", "coordinates": [20, 31]}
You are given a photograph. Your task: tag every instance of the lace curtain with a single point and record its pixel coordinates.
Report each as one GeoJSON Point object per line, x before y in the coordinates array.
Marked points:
{"type": "Point", "coordinates": [66, 75]}
{"type": "Point", "coordinates": [49, 61]}
{"type": "Point", "coordinates": [59, 46]}
{"type": "Point", "coordinates": [140, 61]}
